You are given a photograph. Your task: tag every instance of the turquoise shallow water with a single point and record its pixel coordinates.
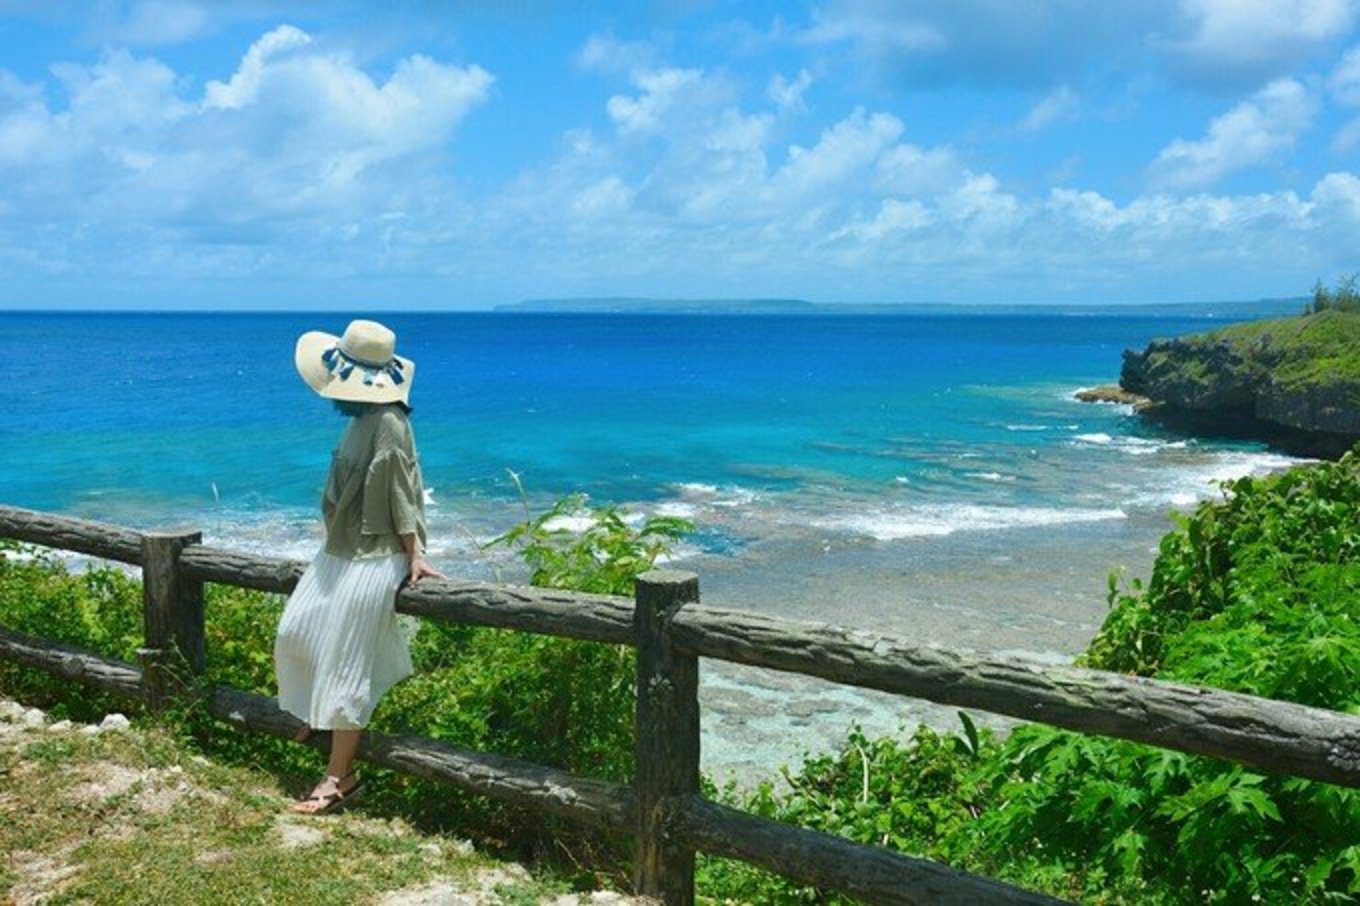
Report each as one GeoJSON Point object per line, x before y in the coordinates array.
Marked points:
{"type": "Point", "coordinates": [919, 474]}
{"type": "Point", "coordinates": [899, 437]}
{"type": "Point", "coordinates": [888, 429]}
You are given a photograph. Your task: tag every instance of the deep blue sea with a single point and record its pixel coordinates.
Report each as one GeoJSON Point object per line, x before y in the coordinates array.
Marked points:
{"type": "Point", "coordinates": [923, 474]}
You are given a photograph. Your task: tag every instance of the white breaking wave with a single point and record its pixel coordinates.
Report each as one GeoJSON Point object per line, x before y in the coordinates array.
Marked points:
{"type": "Point", "coordinates": [1135, 446]}
{"type": "Point", "coordinates": [1041, 427]}
{"type": "Point", "coordinates": [934, 520]}
{"type": "Point", "coordinates": [291, 535]}
{"type": "Point", "coordinates": [696, 488]}
{"type": "Point", "coordinates": [569, 523]}
{"type": "Point", "coordinates": [1188, 486]}
{"type": "Point", "coordinates": [713, 495]}
{"type": "Point", "coordinates": [698, 502]}
{"type": "Point", "coordinates": [679, 551]}
{"type": "Point", "coordinates": [296, 534]}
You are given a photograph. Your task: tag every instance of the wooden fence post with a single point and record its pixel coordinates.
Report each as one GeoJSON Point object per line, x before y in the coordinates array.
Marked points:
{"type": "Point", "coordinates": [172, 608]}
{"type": "Point", "coordinates": [667, 728]}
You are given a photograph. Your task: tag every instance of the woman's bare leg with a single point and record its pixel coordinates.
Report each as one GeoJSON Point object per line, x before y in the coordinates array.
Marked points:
{"type": "Point", "coordinates": [344, 743]}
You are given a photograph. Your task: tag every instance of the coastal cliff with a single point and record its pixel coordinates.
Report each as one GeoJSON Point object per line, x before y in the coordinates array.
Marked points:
{"type": "Point", "coordinates": [1293, 382]}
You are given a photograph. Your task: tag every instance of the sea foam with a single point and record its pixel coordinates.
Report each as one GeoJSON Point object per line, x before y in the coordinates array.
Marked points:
{"type": "Point", "coordinates": [934, 520]}
{"type": "Point", "coordinates": [1185, 487]}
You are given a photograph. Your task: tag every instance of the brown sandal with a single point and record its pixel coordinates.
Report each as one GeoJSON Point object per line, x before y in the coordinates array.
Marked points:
{"type": "Point", "coordinates": [304, 734]}
{"type": "Point", "coordinates": [331, 801]}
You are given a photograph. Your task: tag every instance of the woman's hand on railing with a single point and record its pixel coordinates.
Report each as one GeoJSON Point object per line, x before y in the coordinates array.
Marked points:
{"type": "Point", "coordinates": [420, 569]}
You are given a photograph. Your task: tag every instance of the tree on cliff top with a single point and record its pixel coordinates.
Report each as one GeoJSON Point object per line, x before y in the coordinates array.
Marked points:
{"type": "Point", "coordinates": [1344, 298]}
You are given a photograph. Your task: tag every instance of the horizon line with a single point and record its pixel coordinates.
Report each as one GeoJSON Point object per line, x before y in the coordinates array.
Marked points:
{"type": "Point", "coordinates": [515, 308]}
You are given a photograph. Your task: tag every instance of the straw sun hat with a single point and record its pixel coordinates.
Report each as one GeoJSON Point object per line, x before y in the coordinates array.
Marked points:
{"type": "Point", "coordinates": [362, 366]}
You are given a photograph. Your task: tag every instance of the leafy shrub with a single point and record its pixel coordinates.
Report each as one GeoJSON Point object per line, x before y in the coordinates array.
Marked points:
{"type": "Point", "coordinates": [605, 556]}
{"type": "Point", "coordinates": [100, 610]}
{"type": "Point", "coordinates": [915, 796]}
{"type": "Point", "coordinates": [554, 701]}
{"type": "Point", "coordinates": [1258, 592]}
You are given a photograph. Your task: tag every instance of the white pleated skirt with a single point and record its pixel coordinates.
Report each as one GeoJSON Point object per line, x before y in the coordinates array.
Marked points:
{"type": "Point", "coordinates": [340, 643]}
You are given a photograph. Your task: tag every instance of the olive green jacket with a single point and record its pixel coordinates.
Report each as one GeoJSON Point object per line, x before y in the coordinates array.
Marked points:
{"type": "Point", "coordinates": [374, 492]}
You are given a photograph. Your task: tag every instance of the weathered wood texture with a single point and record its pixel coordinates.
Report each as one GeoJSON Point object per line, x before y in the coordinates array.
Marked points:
{"type": "Point", "coordinates": [574, 614]}
{"type": "Point", "coordinates": [664, 808]}
{"type": "Point", "coordinates": [1270, 735]}
{"type": "Point", "coordinates": [600, 803]}
{"type": "Point", "coordinates": [596, 618]}
{"type": "Point", "coordinates": [213, 564]}
{"type": "Point", "coordinates": [1266, 734]}
{"type": "Point", "coordinates": [833, 863]}
{"type": "Point", "coordinates": [172, 617]}
{"type": "Point", "coordinates": [74, 663]}
{"type": "Point", "coordinates": [98, 539]}
{"type": "Point", "coordinates": [173, 602]}
{"type": "Point", "coordinates": [666, 765]}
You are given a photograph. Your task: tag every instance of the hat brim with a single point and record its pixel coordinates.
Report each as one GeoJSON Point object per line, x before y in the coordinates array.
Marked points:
{"type": "Point", "coordinates": [317, 375]}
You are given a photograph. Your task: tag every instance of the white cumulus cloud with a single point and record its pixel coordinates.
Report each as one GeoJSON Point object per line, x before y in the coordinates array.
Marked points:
{"type": "Point", "coordinates": [1246, 39]}
{"type": "Point", "coordinates": [302, 162]}
{"type": "Point", "coordinates": [1344, 85]}
{"type": "Point", "coordinates": [661, 90]}
{"type": "Point", "coordinates": [244, 85]}
{"type": "Point", "coordinates": [297, 142]}
{"type": "Point", "coordinates": [788, 95]}
{"type": "Point", "coordinates": [606, 53]}
{"type": "Point", "coordinates": [1345, 79]}
{"type": "Point", "coordinates": [1253, 132]}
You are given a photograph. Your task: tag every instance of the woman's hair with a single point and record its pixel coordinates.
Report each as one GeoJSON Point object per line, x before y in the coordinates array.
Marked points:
{"type": "Point", "coordinates": [354, 410]}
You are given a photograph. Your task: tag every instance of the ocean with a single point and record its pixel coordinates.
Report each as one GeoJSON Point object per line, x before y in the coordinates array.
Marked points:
{"type": "Point", "coordinates": [925, 475]}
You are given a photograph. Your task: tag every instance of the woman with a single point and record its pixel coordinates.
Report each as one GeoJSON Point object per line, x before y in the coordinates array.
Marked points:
{"type": "Point", "coordinates": [340, 645]}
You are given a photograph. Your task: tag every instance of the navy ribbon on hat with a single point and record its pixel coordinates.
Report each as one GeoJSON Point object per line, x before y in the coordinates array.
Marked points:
{"type": "Point", "coordinates": [343, 364]}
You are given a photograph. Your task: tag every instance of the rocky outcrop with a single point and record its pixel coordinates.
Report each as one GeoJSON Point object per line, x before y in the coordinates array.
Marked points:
{"type": "Point", "coordinates": [1112, 393]}
{"type": "Point", "coordinates": [1293, 382]}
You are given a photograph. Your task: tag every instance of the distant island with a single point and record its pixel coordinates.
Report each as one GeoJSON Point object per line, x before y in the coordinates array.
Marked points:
{"type": "Point", "coordinates": [627, 304]}
{"type": "Point", "coordinates": [1259, 308]}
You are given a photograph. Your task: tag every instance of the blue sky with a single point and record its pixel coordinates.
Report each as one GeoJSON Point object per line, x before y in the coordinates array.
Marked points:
{"type": "Point", "coordinates": [180, 154]}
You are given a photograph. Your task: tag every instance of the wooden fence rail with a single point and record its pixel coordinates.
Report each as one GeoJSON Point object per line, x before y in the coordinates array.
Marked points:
{"type": "Point", "coordinates": [662, 808]}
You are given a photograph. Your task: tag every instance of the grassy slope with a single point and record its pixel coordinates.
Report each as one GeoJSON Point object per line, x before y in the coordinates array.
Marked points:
{"type": "Point", "coordinates": [133, 815]}
{"type": "Point", "coordinates": [1309, 350]}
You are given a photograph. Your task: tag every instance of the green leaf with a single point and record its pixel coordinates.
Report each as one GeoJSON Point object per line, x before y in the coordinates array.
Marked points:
{"type": "Point", "coordinates": [970, 730]}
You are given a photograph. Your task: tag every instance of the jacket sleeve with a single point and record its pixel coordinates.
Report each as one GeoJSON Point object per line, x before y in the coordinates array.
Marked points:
{"type": "Point", "coordinates": [393, 499]}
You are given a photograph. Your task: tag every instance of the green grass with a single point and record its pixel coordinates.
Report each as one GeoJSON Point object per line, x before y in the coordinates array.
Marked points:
{"type": "Point", "coordinates": [135, 816]}
{"type": "Point", "coordinates": [1256, 591]}
{"type": "Point", "coordinates": [1299, 352]}
{"type": "Point", "coordinates": [560, 702]}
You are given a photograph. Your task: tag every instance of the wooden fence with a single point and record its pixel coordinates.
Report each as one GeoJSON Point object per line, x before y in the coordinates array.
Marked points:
{"type": "Point", "coordinates": [662, 808]}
